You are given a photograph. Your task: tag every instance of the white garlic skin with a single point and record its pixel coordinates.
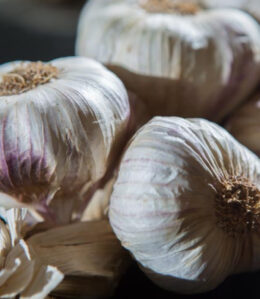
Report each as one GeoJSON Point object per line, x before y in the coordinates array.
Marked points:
{"type": "Point", "coordinates": [244, 124]}
{"type": "Point", "coordinates": [163, 204]}
{"type": "Point", "coordinates": [200, 65]}
{"type": "Point", "coordinates": [58, 139]}
{"type": "Point", "coordinates": [22, 272]}
{"type": "Point", "coordinates": [250, 6]}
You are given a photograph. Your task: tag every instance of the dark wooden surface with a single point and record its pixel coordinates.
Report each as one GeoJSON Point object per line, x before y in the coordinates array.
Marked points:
{"type": "Point", "coordinates": [25, 42]}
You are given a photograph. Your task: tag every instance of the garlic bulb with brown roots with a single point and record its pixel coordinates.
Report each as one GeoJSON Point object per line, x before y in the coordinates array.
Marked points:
{"type": "Point", "coordinates": [181, 57]}
{"type": "Point", "coordinates": [61, 126]}
{"type": "Point", "coordinates": [186, 204]}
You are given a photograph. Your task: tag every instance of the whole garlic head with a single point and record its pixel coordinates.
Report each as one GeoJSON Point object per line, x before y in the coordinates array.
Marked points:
{"type": "Point", "coordinates": [180, 57]}
{"type": "Point", "coordinates": [22, 273]}
{"type": "Point", "coordinates": [244, 124]}
{"type": "Point", "coordinates": [61, 124]}
{"type": "Point", "coordinates": [186, 204]}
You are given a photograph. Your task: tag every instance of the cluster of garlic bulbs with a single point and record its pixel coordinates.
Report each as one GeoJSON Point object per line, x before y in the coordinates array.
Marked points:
{"type": "Point", "coordinates": [61, 126]}
{"type": "Point", "coordinates": [187, 204]}
{"type": "Point", "coordinates": [181, 57]}
{"type": "Point", "coordinates": [182, 196]}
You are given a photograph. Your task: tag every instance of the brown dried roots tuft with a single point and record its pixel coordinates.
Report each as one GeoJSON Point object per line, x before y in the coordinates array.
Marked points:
{"type": "Point", "coordinates": [170, 6]}
{"type": "Point", "coordinates": [26, 77]}
{"type": "Point", "coordinates": [238, 206]}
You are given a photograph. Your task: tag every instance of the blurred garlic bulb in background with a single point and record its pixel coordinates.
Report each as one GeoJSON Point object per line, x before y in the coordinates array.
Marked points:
{"type": "Point", "coordinates": [244, 124]}
{"type": "Point", "coordinates": [186, 204]}
{"type": "Point", "coordinates": [21, 270]}
{"type": "Point", "coordinates": [180, 57]}
{"type": "Point", "coordinates": [250, 6]}
{"type": "Point", "coordinates": [62, 124]}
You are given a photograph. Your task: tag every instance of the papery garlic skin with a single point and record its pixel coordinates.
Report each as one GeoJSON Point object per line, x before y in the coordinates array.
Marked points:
{"type": "Point", "coordinates": [98, 258]}
{"type": "Point", "coordinates": [199, 65]}
{"type": "Point", "coordinates": [164, 205]}
{"type": "Point", "coordinates": [58, 139]}
{"type": "Point", "coordinates": [244, 124]}
{"type": "Point", "coordinates": [22, 273]}
{"type": "Point", "coordinates": [250, 6]}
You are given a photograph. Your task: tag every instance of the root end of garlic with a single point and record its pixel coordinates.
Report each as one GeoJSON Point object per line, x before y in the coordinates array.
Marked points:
{"type": "Point", "coordinates": [27, 77]}
{"type": "Point", "coordinates": [168, 6]}
{"type": "Point", "coordinates": [238, 206]}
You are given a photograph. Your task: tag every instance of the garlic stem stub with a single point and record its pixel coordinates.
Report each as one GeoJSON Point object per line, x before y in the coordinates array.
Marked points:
{"type": "Point", "coordinates": [244, 124]}
{"type": "Point", "coordinates": [186, 204]}
{"type": "Point", "coordinates": [180, 57]}
{"type": "Point", "coordinates": [61, 125]}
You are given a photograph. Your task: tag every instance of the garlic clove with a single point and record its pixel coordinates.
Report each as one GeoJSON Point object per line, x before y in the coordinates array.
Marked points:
{"type": "Point", "coordinates": [62, 124]}
{"type": "Point", "coordinates": [244, 124]}
{"type": "Point", "coordinates": [21, 271]}
{"type": "Point", "coordinates": [185, 204]}
{"type": "Point", "coordinates": [46, 279]}
{"type": "Point", "coordinates": [19, 260]}
{"type": "Point", "coordinates": [173, 60]}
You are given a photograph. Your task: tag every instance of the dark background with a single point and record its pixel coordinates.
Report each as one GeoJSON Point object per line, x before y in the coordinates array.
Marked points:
{"type": "Point", "coordinates": [38, 30]}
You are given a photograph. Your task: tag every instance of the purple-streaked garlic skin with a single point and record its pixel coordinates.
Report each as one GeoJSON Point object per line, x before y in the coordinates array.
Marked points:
{"type": "Point", "coordinates": [244, 124]}
{"type": "Point", "coordinates": [163, 207]}
{"type": "Point", "coordinates": [57, 140]}
{"type": "Point", "coordinates": [184, 65]}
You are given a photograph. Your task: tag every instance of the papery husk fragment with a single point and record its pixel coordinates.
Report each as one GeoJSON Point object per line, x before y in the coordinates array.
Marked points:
{"type": "Point", "coordinates": [89, 255]}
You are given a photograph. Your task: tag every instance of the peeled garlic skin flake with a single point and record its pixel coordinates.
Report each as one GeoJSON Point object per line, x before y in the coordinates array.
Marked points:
{"type": "Point", "coordinates": [186, 65]}
{"type": "Point", "coordinates": [57, 138]}
{"type": "Point", "coordinates": [186, 204]}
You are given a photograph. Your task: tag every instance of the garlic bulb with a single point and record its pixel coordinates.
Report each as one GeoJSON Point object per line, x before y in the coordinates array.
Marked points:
{"type": "Point", "coordinates": [250, 6]}
{"type": "Point", "coordinates": [22, 273]}
{"type": "Point", "coordinates": [61, 126]}
{"type": "Point", "coordinates": [186, 204]}
{"type": "Point", "coordinates": [180, 57]}
{"type": "Point", "coordinates": [244, 124]}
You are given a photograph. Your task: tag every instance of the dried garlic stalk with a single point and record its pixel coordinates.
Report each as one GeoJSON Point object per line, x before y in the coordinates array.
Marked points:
{"type": "Point", "coordinates": [89, 255]}
{"type": "Point", "coordinates": [186, 204]}
{"type": "Point", "coordinates": [181, 57]}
